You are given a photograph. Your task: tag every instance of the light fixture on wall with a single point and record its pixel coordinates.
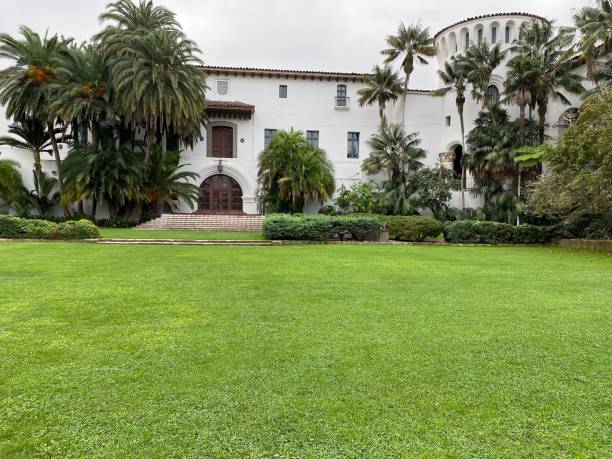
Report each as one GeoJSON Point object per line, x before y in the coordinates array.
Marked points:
{"type": "Point", "coordinates": [220, 166]}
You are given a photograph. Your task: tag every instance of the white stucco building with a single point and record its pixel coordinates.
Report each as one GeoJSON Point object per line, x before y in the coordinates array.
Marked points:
{"type": "Point", "coordinates": [247, 105]}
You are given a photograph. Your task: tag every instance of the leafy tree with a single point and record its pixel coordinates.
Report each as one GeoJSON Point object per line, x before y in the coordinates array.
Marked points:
{"type": "Point", "coordinates": [292, 172]}
{"type": "Point", "coordinates": [383, 85]}
{"type": "Point", "coordinates": [455, 81]}
{"type": "Point", "coordinates": [410, 43]}
{"type": "Point", "coordinates": [31, 135]}
{"type": "Point", "coordinates": [43, 198]}
{"type": "Point", "coordinates": [10, 181]}
{"type": "Point", "coordinates": [165, 182]}
{"type": "Point", "coordinates": [361, 197]}
{"type": "Point", "coordinates": [478, 64]}
{"type": "Point", "coordinates": [595, 24]}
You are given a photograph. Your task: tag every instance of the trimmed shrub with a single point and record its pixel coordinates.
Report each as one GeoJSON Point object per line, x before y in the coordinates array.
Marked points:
{"type": "Point", "coordinates": [412, 228]}
{"type": "Point", "coordinates": [28, 228]}
{"type": "Point", "coordinates": [318, 227]}
{"type": "Point", "coordinates": [477, 232]}
{"type": "Point", "coordinates": [80, 229]}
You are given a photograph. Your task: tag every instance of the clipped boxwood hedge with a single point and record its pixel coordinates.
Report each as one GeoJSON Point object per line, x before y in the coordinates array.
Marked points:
{"type": "Point", "coordinates": [412, 228]}
{"type": "Point", "coordinates": [477, 232]}
{"type": "Point", "coordinates": [28, 228]}
{"type": "Point", "coordinates": [318, 227]}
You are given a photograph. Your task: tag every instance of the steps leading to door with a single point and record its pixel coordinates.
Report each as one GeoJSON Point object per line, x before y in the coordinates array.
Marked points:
{"type": "Point", "coordinates": [198, 222]}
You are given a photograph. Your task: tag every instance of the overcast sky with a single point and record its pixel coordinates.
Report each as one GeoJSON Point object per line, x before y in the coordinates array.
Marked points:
{"type": "Point", "coordinates": [333, 35]}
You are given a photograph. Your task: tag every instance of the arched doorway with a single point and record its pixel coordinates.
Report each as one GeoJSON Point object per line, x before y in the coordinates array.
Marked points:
{"type": "Point", "coordinates": [220, 194]}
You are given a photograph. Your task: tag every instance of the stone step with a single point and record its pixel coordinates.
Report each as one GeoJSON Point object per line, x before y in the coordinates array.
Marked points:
{"type": "Point", "coordinates": [227, 242]}
{"type": "Point", "coordinates": [205, 222]}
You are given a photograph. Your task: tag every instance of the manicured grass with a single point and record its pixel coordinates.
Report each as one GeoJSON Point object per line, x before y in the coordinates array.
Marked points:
{"type": "Point", "coordinates": [304, 351]}
{"type": "Point", "coordinates": [129, 233]}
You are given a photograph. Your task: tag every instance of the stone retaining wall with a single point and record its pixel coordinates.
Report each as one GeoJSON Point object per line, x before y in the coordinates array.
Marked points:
{"type": "Point", "coordinates": [593, 244]}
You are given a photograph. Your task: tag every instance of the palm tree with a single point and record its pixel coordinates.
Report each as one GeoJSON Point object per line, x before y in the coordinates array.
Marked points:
{"type": "Point", "coordinates": [393, 151]}
{"type": "Point", "coordinates": [455, 81]}
{"type": "Point", "coordinates": [43, 197]}
{"type": "Point", "coordinates": [551, 54]}
{"type": "Point", "coordinates": [518, 86]}
{"type": "Point", "coordinates": [10, 180]}
{"type": "Point", "coordinates": [112, 173]}
{"type": "Point", "coordinates": [478, 64]}
{"type": "Point", "coordinates": [165, 182]}
{"type": "Point", "coordinates": [595, 24]}
{"type": "Point", "coordinates": [384, 85]}
{"type": "Point", "coordinates": [24, 84]}
{"type": "Point", "coordinates": [33, 136]}
{"type": "Point", "coordinates": [293, 172]}
{"type": "Point", "coordinates": [410, 42]}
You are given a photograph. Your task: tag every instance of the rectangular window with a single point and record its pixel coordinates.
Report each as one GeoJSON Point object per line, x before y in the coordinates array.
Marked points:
{"type": "Point", "coordinates": [313, 138]}
{"type": "Point", "coordinates": [352, 145]}
{"type": "Point", "coordinates": [341, 99]}
{"type": "Point", "coordinates": [479, 36]}
{"type": "Point", "coordinates": [507, 34]}
{"type": "Point", "coordinates": [493, 35]}
{"type": "Point", "coordinates": [467, 40]}
{"type": "Point", "coordinates": [282, 91]}
{"type": "Point", "coordinates": [268, 134]}
{"type": "Point", "coordinates": [448, 120]}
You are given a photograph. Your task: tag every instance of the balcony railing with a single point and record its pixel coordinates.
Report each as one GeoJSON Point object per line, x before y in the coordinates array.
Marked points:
{"type": "Point", "coordinates": [342, 102]}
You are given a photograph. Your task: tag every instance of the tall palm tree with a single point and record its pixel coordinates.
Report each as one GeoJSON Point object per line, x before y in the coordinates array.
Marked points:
{"type": "Point", "coordinates": [10, 180]}
{"type": "Point", "coordinates": [550, 53]}
{"type": "Point", "coordinates": [595, 24]}
{"type": "Point", "coordinates": [24, 84]}
{"type": "Point", "coordinates": [165, 182]}
{"type": "Point", "coordinates": [519, 82]}
{"type": "Point", "coordinates": [383, 85]}
{"type": "Point", "coordinates": [455, 81]}
{"type": "Point", "coordinates": [43, 197]}
{"type": "Point", "coordinates": [293, 172]}
{"type": "Point", "coordinates": [478, 64]}
{"type": "Point", "coordinates": [393, 151]}
{"type": "Point", "coordinates": [410, 43]}
{"type": "Point", "coordinates": [33, 136]}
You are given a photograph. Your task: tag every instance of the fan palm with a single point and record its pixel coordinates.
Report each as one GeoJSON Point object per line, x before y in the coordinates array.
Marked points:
{"type": "Point", "coordinates": [33, 136]}
{"type": "Point", "coordinates": [165, 181]}
{"type": "Point", "coordinates": [410, 43]}
{"type": "Point", "coordinates": [24, 85]}
{"type": "Point", "coordinates": [455, 81]}
{"type": "Point", "coordinates": [383, 85]}
{"type": "Point", "coordinates": [595, 24]}
{"type": "Point", "coordinates": [293, 172]}
{"type": "Point", "coordinates": [10, 180]}
{"type": "Point", "coordinates": [43, 197]}
{"type": "Point", "coordinates": [478, 64]}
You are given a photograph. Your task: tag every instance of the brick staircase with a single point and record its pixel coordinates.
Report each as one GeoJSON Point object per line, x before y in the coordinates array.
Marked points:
{"type": "Point", "coordinates": [204, 222]}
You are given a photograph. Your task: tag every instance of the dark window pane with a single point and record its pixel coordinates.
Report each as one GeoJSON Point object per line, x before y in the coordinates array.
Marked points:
{"type": "Point", "coordinates": [313, 138]}
{"type": "Point", "coordinates": [268, 134]}
{"type": "Point", "coordinates": [352, 145]}
{"type": "Point", "coordinates": [282, 91]}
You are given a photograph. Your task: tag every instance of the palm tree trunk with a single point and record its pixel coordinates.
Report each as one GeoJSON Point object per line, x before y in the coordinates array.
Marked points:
{"type": "Point", "coordinates": [461, 122]}
{"type": "Point", "coordinates": [522, 125]}
{"type": "Point", "coordinates": [542, 109]}
{"type": "Point", "coordinates": [404, 101]}
{"type": "Point", "coordinates": [58, 162]}
{"type": "Point", "coordinates": [518, 193]}
{"type": "Point", "coordinates": [94, 134]}
{"type": "Point", "coordinates": [37, 164]}
{"type": "Point", "coordinates": [381, 113]}
{"type": "Point", "coordinates": [92, 213]}
{"type": "Point", "coordinates": [150, 143]}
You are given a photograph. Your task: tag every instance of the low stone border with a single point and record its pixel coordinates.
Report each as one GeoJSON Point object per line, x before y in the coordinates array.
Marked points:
{"type": "Point", "coordinates": [591, 244]}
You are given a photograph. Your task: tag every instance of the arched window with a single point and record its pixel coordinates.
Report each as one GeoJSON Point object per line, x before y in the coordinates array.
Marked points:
{"type": "Point", "coordinates": [479, 36]}
{"type": "Point", "coordinates": [492, 95]}
{"type": "Point", "coordinates": [341, 99]}
{"type": "Point", "coordinates": [507, 37]}
{"type": "Point", "coordinates": [493, 35]}
{"type": "Point", "coordinates": [467, 40]}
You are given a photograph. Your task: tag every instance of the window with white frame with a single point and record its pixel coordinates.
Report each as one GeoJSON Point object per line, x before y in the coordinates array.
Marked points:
{"type": "Point", "coordinates": [352, 145]}
{"type": "Point", "coordinates": [268, 134]}
{"type": "Point", "coordinates": [313, 138]}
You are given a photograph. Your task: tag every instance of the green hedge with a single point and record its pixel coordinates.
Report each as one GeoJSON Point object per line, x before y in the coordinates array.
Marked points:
{"type": "Point", "coordinates": [318, 227]}
{"type": "Point", "coordinates": [412, 228]}
{"type": "Point", "coordinates": [28, 228]}
{"type": "Point", "coordinates": [477, 232]}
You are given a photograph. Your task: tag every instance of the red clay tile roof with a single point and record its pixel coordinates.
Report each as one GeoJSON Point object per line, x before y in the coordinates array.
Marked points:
{"type": "Point", "coordinates": [229, 105]}
{"type": "Point", "coordinates": [492, 15]}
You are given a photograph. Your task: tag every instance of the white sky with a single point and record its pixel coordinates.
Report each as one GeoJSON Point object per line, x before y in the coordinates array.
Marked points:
{"type": "Point", "coordinates": [333, 35]}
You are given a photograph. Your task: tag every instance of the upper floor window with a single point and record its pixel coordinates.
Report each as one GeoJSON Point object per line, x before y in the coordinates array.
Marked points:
{"type": "Point", "coordinates": [282, 91]}
{"type": "Point", "coordinates": [479, 36]}
{"type": "Point", "coordinates": [341, 99]}
{"type": "Point", "coordinates": [268, 134]}
{"type": "Point", "coordinates": [507, 37]}
{"type": "Point", "coordinates": [222, 87]}
{"type": "Point", "coordinates": [492, 95]}
{"type": "Point", "coordinates": [448, 120]}
{"type": "Point", "coordinates": [313, 138]}
{"type": "Point", "coordinates": [467, 40]}
{"type": "Point", "coordinates": [493, 35]}
{"type": "Point", "coordinates": [221, 142]}
{"type": "Point", "coordinates": [352, 145]}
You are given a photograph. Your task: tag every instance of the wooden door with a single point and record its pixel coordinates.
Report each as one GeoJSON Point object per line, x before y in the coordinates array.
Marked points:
{"type": "Point", "coordinates": [220, 194]}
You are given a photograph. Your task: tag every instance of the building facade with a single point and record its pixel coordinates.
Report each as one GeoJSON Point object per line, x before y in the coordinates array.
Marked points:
{"type": "Point", "coordinates": [246, 106]}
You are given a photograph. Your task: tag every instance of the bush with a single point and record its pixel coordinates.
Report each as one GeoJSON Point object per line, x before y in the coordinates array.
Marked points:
{"type": "Point", "coordinates": [318, 227]}
{"type": "Point", "coordinates": [477, 232]}
{"type": "Point", "coordinates": [28, 228]}
{"type": "Point", "coordinates": [413, 228]}
{"type": "Point", "coordinates": [80, 229]}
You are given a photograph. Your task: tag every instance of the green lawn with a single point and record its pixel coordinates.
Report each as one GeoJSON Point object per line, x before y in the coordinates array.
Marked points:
{"type": "Point", "coordinates": [129, 233]}
{"type": "Point", "coordinates": [304, 351]}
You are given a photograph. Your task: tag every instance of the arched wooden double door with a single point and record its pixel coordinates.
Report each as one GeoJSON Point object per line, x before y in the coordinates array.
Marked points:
{"type": "Point", "coordinates": [220, 194]}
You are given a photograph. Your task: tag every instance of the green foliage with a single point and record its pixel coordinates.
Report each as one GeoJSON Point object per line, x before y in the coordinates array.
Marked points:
{"type": "Point", "coordinates": [383, 85]}
{"type": "Point", "coordinates": [43, 198]}
{"type": "Point", "coordinates": [318, 227]}
{"type": "Point", "coordinates": [412, 228]}
{"type": "Point", "coordinates": [30, 228]}
{"type": "Point", "coordinates": [79, 229]}
{"type": "Point", "coordinates": [595, 24]}
{"type": "Point", "coordinates": [360, 198]}
{"type": "Point", "coordinates": [293, 172]}
{"type": "Point", "coordinates": [10, 181]}
{"type": "Point", "coordinates": [478, 232]}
